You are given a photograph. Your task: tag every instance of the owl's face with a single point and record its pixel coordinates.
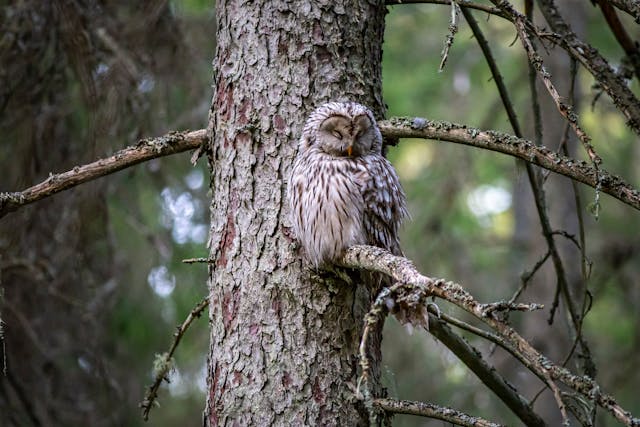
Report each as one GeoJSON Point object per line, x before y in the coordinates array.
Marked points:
{"type": "Point", "coordinates": [342, 129]}
{"type": "Point", "coordinates": [342, 136]}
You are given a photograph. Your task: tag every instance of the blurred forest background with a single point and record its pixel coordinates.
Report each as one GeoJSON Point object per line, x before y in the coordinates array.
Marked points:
{"type": "Point", "coordinates": [92, 282]}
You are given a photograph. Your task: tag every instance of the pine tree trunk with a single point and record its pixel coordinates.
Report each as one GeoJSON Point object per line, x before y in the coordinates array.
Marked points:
{"type": "Point", "coordinates": [283, 344]}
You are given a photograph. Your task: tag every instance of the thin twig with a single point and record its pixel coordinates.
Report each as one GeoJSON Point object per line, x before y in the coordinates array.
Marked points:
{"type": "Point", "coordinates": [565, 109]}
{"type": "Point", "coordinates": [624, 40]}
{"type": "Point", "coordinates": [532, 174]}
{"type": "Point", "coordinates": [587, 55]}
{"type": "Point", "coordinates": [589, 365]}
{"type": "Point", "coordinates": [495, 71]}
{"type": "Point", "coordinates": [526, 277]}
{"type": "Point", "coordinates": [562, 284]}
{"type": "Point", "coordinates": [453, 29]}
{"type": "Point", "coordinates": [198, 260]}
{"type": "Point", "coordinates": [161, 374]}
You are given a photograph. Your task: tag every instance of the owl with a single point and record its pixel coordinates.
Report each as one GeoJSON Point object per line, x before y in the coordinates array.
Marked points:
{"type": "Point", "coordinates": [342, 191]}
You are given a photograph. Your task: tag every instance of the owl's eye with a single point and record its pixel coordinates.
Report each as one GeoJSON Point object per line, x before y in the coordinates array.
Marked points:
{"type": "Point", "coordinates": [336, 134]}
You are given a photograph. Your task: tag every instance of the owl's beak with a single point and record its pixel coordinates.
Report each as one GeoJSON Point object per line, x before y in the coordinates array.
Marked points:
{"type": "Point", "coordinates": [349, 150]}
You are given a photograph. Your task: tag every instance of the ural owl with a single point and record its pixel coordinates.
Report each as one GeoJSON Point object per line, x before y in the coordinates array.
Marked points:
{"type": "Point", "coordinates": [342, 191]}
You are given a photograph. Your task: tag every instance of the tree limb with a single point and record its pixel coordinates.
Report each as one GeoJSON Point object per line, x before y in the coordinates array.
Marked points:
{"type": "Point", "coordinates": [405, 274]}
{"type": "Point", "coordinates": [404, 127]}
{"type": "Point", "coordinates": [468, 355]}
{"type": "Point", "coordinates": [621, 35]}
{"type": "Point", "coordinates": [534, 174]}
{"type": "Point", "coordinates": [465, 3]}
{"type": "Point", "coordinates": [486, 373]}
{"type": "Point", "coordinates": [146, 149]}
{"type": "Point", "coordinates": [432, 411]}
{"type": "Point", "coordinates": [522, 26]}
{"type": "Point", "coordinates": [632, 7]}
{"type": "Point", "coordinates": [399, 127]}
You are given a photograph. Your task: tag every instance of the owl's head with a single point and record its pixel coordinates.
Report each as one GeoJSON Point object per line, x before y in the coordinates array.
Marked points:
{"type": "Point", "coordinates": [342, 129]}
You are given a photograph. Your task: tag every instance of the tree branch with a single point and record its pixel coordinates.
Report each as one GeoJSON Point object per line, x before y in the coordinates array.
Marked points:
{"type": "Point", "coordinates": [632, 7]}
{"type": "Point", "coordinates": [405, 274]}
{"type": "Point", "coordinates": [587, 55]}
{"type": "Point", "coordinates": [399, 127]}
{"type": "Point", "coordinates": [465, 3]}
{"type": "Point", "coordinates": [621, 35]}
{"type": "Point", "coordinates": [534, 174]}
{"type": "Point", "coordinates": [165, 361]}
{"type": "Point", "coordinates": [432, 411]}
{"type": "Point", "coordinates": [404, 127]}
{"type": "Point", "coordinates": [468, 355]}
{"type": "Point", "coordinates": [486, 373]}
{"type": "Point", "coordinates": [146, 149]}
{"type": "Point", "coordinates": [523, 27]}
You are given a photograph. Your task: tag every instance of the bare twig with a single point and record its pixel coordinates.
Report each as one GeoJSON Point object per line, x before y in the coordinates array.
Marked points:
{"type": "Point", "coordinates": [146, 149]}
{"type": "Point", "coordinates": [495, 71]}
{"type": "Point", "coordinates": [532, 174]}
{"type": "Point", "coordinates": [586, 54]}
{"type": "Point", "coordinates": [588, 363]}
{"type": "Point", "coordinates": [562, 284]}
{"type": "Point", "coordinates": [432, 411]}
{"type": "Point", "coordinates": [522, 27]}
{"type": "Point", "coordinates": [453, 29]}
{"type": "Point", "coordinates": [526, 277]}
{"type": "Point", "coordinates": [198, 260]}
{"type": "Point", "coordinates": [403, 272]}
{"type": "Point", "coordinates": [152, 392]}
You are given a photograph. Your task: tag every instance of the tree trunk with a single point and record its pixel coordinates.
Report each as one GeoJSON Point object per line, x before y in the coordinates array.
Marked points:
{"type": "Point", "coordinates": [283, 344]}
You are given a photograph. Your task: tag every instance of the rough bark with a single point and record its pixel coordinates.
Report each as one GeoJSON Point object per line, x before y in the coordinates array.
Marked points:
{"type": "Point", "coordinates": [283, 344]}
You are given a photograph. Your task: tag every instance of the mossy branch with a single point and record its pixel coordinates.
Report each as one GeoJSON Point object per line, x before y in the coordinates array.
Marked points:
{"type": "Point", "coordinates": [414, 289]}
{"type": "Point", "coordinates": [399, 127]}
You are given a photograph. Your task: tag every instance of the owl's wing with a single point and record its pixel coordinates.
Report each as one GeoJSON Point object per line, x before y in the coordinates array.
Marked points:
{"type": "Point", "coordinates": [385, 204]}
